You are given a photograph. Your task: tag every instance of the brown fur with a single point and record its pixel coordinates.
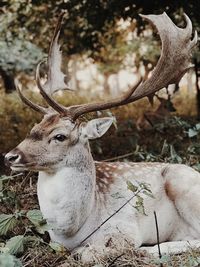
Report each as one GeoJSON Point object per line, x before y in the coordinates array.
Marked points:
{"type": "Point", "coordinates": [44, 127]}
{"type": "Point", "coordinates": [35, 136]}
{"type": "Point", "coordinates": [104, 177]}
{"type": "Point", "coordinates": [170, 191]}
{"type": "Point", "coordinates": [50, 121]}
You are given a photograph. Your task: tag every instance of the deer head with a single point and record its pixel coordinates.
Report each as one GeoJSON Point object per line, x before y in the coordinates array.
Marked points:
{"type": "Point", "coordinates": [55, 142]}
{"type": "Point", "coordinates": [60, 139]}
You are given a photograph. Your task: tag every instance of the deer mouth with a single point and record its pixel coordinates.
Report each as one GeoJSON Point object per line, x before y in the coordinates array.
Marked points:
{"type": "Point", "coordinates": [23, 166]}
{"type": "Point", "coordinates": [33, 166]}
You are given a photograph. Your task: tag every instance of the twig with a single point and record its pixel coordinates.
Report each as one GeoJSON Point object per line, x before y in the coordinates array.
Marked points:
{"type": "Point", "coordinates": [115, 259]}
{"type": "Point", "coordinates": [96, 229]}
{"type": "Point", "coordinates": [158, 239]}
{"type": "Point", "coordinates": [120, 157]}
{"type": "Point", "coordinates": [23, 183]}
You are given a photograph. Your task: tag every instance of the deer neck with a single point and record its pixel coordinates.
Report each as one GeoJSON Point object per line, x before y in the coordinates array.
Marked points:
{"type": "Point", "coordinates": [70, 191]}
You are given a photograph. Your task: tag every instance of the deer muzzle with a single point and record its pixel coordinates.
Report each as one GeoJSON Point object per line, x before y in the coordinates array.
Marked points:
{"type": "Point", "coordinates": [15, 159]}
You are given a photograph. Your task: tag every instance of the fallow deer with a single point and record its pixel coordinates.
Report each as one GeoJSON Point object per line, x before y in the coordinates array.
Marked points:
{"type": "Point", "coordinates": [76, 194]}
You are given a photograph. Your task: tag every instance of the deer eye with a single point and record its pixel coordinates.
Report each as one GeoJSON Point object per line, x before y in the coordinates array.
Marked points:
{"type": "Point", "coordinates": [60, 137]}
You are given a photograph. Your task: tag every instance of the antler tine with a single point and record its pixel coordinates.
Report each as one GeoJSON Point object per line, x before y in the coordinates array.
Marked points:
{"type": "Point", "coordinates": [59, 108]}
{"type": "Point", "coordinates": [172, 64]}
{"type": "Point", "coordinates": [175, 55]}
{"type": "Point", "coordinates": [77, 111]}
{"type": "Point", "coordinates": [28, 102]}
{"type": "Point", "coordinates": [188, 26]}
{"type": "Point", "coordinates": [55, 77]}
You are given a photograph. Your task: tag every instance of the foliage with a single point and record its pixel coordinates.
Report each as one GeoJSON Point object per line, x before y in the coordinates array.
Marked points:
{"type": "Point", "coordinates": [30, 224]}
{"type": "Point", "coordinates": [194, 131]}
{"type": "Point", "coordinates": [102, 39]}
{"type": "Point", "coordinates": [7, 260]}
{"type": "Point", "coordinates": [82, 28]}
{"type": "Point", "coordinates": [7, 223]}
{"type": "Point", "coordinates": [35, 216]}
{"type": "Point", "coordinates": [16, 56]}
{"type": "Point", "coordinates": [15, 245]}
{"type": "Point", "coordinates": [139, 189]}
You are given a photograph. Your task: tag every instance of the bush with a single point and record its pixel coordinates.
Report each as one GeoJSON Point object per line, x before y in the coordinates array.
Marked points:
{"type": "Point", "coordinates": [16, 119]}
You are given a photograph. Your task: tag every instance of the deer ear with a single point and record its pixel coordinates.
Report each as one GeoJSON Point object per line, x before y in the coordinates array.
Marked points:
{"type": "Point", "coordinates": [97, 127]}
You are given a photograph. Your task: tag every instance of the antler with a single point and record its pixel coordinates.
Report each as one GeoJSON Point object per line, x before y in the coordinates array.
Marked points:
{"type": "Point", "coordinates": [28, 102]}
{"type": "Point", "coordinates": [172, 65]}
{"type": "Point", "coordinates": [56, 79]}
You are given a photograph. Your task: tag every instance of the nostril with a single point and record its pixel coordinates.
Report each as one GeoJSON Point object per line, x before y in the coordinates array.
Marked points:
{"type": "Point", "coordinates": [12, 158]}
{"type": "Point", "coordinates": [9, 159]}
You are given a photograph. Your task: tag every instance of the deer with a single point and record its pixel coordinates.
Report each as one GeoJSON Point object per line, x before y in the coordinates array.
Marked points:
{"type": "Point", "coordinates": [77, 194]}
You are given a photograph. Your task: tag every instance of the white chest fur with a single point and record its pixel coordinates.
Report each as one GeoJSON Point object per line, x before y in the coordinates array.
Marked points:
{"type": "Point", "coordinates": [63, 199]}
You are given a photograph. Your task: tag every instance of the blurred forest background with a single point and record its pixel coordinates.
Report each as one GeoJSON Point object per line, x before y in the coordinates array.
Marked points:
{"type": "Point", "coordinates": [106, 46]}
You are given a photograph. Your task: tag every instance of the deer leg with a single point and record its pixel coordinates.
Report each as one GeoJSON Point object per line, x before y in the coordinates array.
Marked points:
{"type": "Point", "coordinates": [183, 188]}
{"type": "Point", "coordinates": [111, 240]}
{"type": "Point", "coordinates": [173, 247]}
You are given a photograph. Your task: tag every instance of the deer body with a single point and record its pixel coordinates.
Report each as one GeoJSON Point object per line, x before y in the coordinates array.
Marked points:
{"type": "Point", "coordinates": [76, 203]}
{"type": "Point", "coordinates": [76, 194]}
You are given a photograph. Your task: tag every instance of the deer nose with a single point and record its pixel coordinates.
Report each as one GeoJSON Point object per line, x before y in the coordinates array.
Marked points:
{"type": "Point", "coordinates": [11, 158]}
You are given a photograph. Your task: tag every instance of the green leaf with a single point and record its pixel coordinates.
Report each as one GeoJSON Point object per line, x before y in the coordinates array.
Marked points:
{"type": "Point", "coordinates": [145, 186]}
{"type": "Point", "coordinates": [131, 186]}
{"type": "Point", "coordinates": [7, 223]}
{"type": "Point", "coordinates": [149, 194]}
{"type": "Point", "coordinates": [197, 126]}
{"type": "Point", "coordinates": [35, 216]}
{"type": "Point", "coordinates": [32, 241]}
{"type": "Point", "coordinates": [175, 157]}
{"type": "Point", "coordinates": [140, 209]}
{"type": "Point", "coordinates": [139, 200]}
{"type": "Point", "coordinates": [41, 229]}
{"type": "Point", "coordinates": [163, 260]}
{"type": "Point", "coordinates": [196, 167]}
{"type": "Point", "coordinates": [165, 148]}
{"type": "Point", "coordinates": [117, 195]}
{"type": "Point", "coordinates": [140, 205]}
{"type": "Point", "coordinates": [15, 244]}
{"type": "Point", "coordinates": [7, 260]}
{"type": "Point", "coordinates": [192, 132]}
{"type": "Point", "coordinates": [5, 177]}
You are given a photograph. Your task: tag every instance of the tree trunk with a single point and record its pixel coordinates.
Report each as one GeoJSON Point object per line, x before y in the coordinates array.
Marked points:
{"type": "Point", "coordinates": [106, 84]}
{"type": "Point", "coordinates": [8, 81]}
{"type": "Point", "coordinates": [197, 73]}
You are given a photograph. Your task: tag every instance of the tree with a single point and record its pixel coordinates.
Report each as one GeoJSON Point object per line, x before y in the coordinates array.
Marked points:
{"type": "Point", "coordinates": [90, 26]}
